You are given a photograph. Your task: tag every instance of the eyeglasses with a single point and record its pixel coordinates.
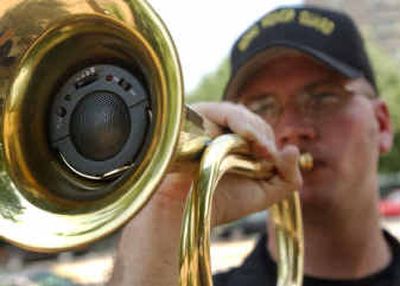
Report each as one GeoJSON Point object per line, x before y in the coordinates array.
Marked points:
{"type": "Point", "coordinates": [315, 102]}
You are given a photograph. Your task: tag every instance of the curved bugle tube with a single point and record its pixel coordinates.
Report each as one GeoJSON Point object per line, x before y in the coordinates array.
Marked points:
{"type": "Point", "coordinates": [223, 155]}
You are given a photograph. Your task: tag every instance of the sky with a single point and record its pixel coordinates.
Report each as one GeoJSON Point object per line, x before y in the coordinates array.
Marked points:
{"type": "Point", "coordinates": [204, 31]}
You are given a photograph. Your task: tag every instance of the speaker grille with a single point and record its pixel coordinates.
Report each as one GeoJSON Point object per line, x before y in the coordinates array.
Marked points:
{"type": "Point", "coordinates": [100, 125]}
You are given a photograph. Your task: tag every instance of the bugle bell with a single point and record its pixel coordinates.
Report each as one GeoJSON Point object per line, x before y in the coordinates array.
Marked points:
{"type": "Point", "coordinates": [92, 119]}
{"type": "Point", "coordinates": [92, 109]}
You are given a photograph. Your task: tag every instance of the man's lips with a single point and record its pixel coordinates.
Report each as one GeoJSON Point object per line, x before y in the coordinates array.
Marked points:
{"type": "Point", "coordinates": [319, 163]}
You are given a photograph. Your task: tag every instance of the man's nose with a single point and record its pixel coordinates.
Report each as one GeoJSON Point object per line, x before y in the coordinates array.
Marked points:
{"type": "Point", "coordinates": [294, 128]}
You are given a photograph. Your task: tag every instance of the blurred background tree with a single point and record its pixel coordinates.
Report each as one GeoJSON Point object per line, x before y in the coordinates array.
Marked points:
{"type": "Point", "coordinates": [388, 79]}
{"type": "Point", "coordinates": [212, 85]}
{"type": "Point", "coordinates": [387, 73]}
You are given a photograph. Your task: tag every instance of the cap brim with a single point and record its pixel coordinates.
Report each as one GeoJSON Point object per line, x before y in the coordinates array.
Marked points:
{"type": "Point", "coordinates": [277, 49]}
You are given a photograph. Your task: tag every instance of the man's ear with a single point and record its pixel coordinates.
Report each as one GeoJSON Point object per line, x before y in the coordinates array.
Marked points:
{"type": "Point", "coordinates": [385, 126]}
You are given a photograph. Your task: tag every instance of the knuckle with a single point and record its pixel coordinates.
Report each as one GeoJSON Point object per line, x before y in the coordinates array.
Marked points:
{"type": "Point", "coordinates": [229, 105]}
{"type": "Point", "coordinates": [241, 110]}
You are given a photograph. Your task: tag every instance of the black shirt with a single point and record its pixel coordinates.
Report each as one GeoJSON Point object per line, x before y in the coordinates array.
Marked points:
{"type": "Point", "coordinates": [259, 269]}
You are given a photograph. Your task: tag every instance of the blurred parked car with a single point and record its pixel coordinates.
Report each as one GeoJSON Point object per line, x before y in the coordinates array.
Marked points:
{"type": "Point", "coordinates": [389, 205]}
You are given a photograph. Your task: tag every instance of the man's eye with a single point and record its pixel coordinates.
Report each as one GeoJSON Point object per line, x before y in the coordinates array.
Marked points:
{"type": "Point", "coordinates": [325, 97]}
{"type": "Point", "coordinates": [263, 106]}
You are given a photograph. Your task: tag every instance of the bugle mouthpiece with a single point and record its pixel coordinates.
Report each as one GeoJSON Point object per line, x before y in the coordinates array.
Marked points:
{"type": "Point", "coordinates": [306, 162]}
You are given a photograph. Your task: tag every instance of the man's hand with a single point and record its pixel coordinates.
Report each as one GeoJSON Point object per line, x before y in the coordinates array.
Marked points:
{"type": "Point", "coordinates": [237, 196]}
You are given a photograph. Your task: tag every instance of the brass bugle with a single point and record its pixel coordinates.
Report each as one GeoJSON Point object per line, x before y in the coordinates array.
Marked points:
{"type": "Point", "coordinates": [93, 117]}
{"type": "Point", "coordinates": [225, 155]}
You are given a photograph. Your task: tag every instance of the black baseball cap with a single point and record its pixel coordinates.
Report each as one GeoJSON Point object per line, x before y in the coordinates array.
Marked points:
{"type": "Point", "coordinates": [329, 36]}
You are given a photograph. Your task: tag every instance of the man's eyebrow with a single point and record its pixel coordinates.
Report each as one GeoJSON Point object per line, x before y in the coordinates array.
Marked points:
{"type": "Point", "coordinates": [255, 95]}
{"type": "Point", "coordinates": [316, 83]}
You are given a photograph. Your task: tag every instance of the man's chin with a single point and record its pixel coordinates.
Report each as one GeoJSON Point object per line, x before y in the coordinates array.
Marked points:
{"type": "Point", "coordinates": [315, 195]}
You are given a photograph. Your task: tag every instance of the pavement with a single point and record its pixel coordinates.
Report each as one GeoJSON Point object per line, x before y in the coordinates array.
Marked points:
{"type": "Point", "coordinates": [93, 269]}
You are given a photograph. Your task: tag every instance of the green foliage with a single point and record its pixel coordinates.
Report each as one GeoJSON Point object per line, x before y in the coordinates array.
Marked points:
{"type": "Point", "coordinates": [388, 81]}
{"type": "Point", "coordinates": [212, 85]}
{"type": "Point", "coordinates": [390, 163]}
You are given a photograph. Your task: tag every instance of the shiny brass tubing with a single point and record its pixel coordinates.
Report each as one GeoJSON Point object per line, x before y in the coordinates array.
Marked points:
{"type": "Point", "coordinates": [218, 159]}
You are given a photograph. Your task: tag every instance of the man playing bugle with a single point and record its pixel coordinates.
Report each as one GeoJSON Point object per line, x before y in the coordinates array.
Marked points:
{"type": "Point", "coordinates": [301, 81]}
